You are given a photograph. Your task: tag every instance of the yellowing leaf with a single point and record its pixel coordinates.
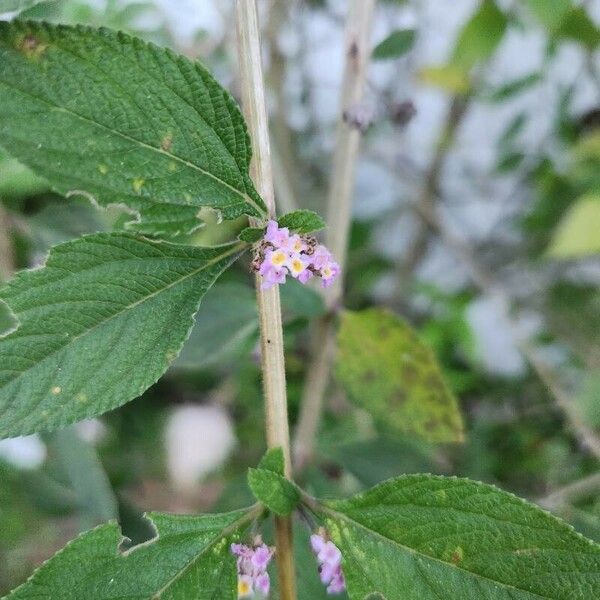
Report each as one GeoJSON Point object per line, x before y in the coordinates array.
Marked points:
{"type": "Point", "coordinates": [449, 78]}
{"type": "Point", "coordinates": [387, 370]}
{"type": "Point", "coordinates": [578, 234]}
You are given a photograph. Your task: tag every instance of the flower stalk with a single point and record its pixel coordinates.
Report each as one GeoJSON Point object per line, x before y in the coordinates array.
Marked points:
{"type": "Point", "coordinates": [269, 306]}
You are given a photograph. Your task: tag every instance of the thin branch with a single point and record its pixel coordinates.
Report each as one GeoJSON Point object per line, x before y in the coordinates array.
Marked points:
{"type": "Point", "coordinates": [357, 50]}
{"type": "Point", "coordinates": [7, 256]}
{"type": "Point", "coordinates": [269, 307]}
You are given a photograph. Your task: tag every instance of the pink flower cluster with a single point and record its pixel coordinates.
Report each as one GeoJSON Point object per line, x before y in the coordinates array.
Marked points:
{"type": "Point", "coordinates": [280, 254]}
{"type": "Point", "coordinates": [330, 563]}
{"type": "Point", "coordinates": [252, 566]}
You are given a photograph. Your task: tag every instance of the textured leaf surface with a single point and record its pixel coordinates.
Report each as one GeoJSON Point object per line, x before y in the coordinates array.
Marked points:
{"type": "Point", "coordinates": [121, 121]}
{"type": "Point", "coordinates": [388, 371]}
{"type": "Point", "coordinates": [302, 221]}
{"type": "Point", "coordinates": [428, 537]}
{"type": "Point", "coordinates": [273, 490]}
{"type": "Point", "coordinates": [578, 233]}
{"type": "Point", "coordinates": [395, 45]}
{"type": "Point", "coordinates": [251, 234]}
{"type": "Point", "coordinates": [190, 559]}
{"type": "Point", "coordinates": [166, 220]}
{"type": "Point", "coordinates": [99, 324]}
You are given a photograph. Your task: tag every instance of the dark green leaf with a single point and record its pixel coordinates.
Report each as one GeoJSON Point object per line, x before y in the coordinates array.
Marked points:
{"type": "Point", "coordinates": [95, 499]}
{"type": "Point", "coordinates": [98, 325]}
{"type": "Point", "coordinates": [226, 324]}
{"type": "Point", "coordinates": [387, 370]}
{"type": "Point", "coordinates": [395, 45]}
{"type": "Point", "coordinates": [480, 36]}
{"type": "Point", "coordinates": [166, 220]}
{"type": "Point", "coordinates": [251, 234]}
{"type": "Point", "coordinates": [430, 537]}
{"type": "Point", "coordinates": [117, 120]}
{"type": "Point", "coordinates": [190, 557]}
{"type": "Point", "coordinates": [275, 491]}
{"type": "Point", "coordinates": [302, 221]}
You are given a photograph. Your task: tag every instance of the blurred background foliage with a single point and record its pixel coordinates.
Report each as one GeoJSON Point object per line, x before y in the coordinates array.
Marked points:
{"type": "Point", "coordinates": [476, 219]}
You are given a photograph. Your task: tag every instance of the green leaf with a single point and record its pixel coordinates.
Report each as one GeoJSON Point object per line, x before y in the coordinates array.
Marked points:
{"type": "Point", "coordinates": [431, 537]}
{"type": "Point", "coordinates": [95, 499]}
{"type": "Point", "coordinates": [189, 558]}
{"type": "Point", "coordinates": [578, 27]}
{"type": "Point", "coordinates": [226, 324]}
{"type": "Point", "coordinates": [275, 491]}
{"type": "Point", "coordinates": [480, 36]}
{"type": "Point", "coordinates": [395, 45]}
{"type": "Point", "coordinates": [549, 13]}
{"type": "Point", "coordinates": [373, 461]}
{"type": "Point", "coordinates": [251, 234]}
{"type": "Point", "coordinates": [514, 87]}
{"type": "Point", "coordinates": [388, 371]}
{"type": "Point", "coordinates": [166, 220]}
{"type": "Point", "coordinates": [578, 234]}
{"type": "Point", "coordinates": [274, 461]}
{"type": "Point", "coordinates": [98, 325]}
{"type": "Point", "coordinates": [115, 119]}
{"type": "Point", "coordinates": [302, 221]}
{"type": "Point", "coordinates": [14, 5]}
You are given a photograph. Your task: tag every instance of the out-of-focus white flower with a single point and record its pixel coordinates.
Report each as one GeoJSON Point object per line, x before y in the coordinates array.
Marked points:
{"type": "Point", "coordinates": [27, 452]}
{"type": "Point", "coordinates": [92, 431]}
{"type": "Point", "coordinates": [198, 441]}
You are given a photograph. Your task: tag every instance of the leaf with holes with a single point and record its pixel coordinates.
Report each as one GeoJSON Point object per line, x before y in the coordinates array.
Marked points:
{"type": "Point", "coordinates": [428, 537]}
{"type": "Point", "coordinates": [98, 325]}
{"type": "Point", "coordinates": [387, 370]}
{"type": "Point", "coordinates": [117, 120]}
{"type": "Point", "coordinates": [190, 557]}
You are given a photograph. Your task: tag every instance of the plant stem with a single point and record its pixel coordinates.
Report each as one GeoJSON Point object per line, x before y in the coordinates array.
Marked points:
{"type": "Point", "coordinates": [7, 257]}
{"type": "Point", "coordinates": [569, 494]}
{"type": "Point", "coordinates": [339, 208]}
{"type": "Point", "coordinates": [269, 307]}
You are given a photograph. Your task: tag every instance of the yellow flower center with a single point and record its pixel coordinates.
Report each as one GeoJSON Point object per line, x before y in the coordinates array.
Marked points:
{"type": "Point", "coordinates": [243, 589]}
{"type": "Point", "coordinates": [326, 272]}
{"type": "Point", "coordinates": [297, 246]}
{"type": "Point", "coordinates": [278, 258]}
{"type": "Point", "coordinates": [297, 266]}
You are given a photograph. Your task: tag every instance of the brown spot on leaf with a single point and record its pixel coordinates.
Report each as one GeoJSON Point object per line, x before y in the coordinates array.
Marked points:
{"type": "Point", "coordinates": [166, 142]}
{"type": "Point", "coordinates": [31, 46]}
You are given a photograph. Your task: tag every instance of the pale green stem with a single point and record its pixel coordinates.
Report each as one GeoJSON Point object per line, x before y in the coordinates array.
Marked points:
{"type": "Point", "coordinates": [273, 366]}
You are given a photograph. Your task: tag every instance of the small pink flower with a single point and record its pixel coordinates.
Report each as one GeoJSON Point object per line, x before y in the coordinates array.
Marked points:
{"type": "Point", "coordinates": [321, 257]}
{"type": "Point", "coordinates": [316, 542]}
{"type": "Point", "coordinates": [245, 586]}
{"type": "Point", "coordinates": [329, 272]}
{"type": "Point", "coordinates": [338, 583]}
{"type": "Point", "coordinates": [261, 557]}
{"type": "Point", "coordinates": [262, 583]}
{"type": "Point", "coordinates": [330, 555]}
{"type": "Point", "coordinates": [279, 237]}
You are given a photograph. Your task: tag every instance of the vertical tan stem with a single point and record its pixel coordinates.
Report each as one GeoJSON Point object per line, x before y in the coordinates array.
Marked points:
{"type": "Point", "coordinates": [339, 210]}
{"type": "Point", "coordinates": [273, 366]}
{"type": "Point", "coordinates": [7, 257]}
